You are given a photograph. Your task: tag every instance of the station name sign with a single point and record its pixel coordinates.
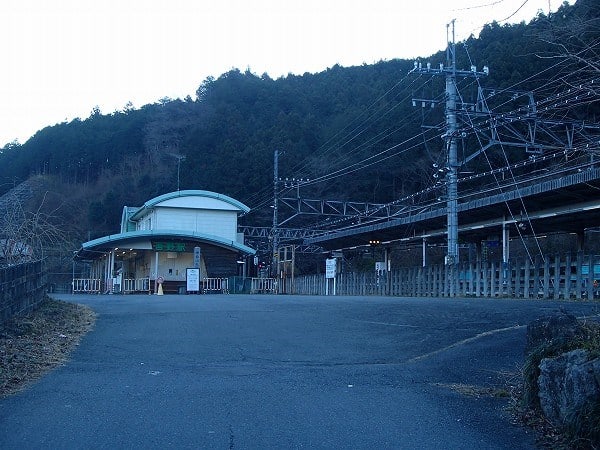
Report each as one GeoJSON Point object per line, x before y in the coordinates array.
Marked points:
{"type": "Point", "coordinates": [168, 246]}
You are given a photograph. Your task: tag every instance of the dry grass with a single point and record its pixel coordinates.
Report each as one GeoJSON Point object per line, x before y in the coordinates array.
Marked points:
{"type": "Point", "coordinates": [547, 435]}
{"type": "Point", "coordinates": [32, 345]}
{"type": "Point", "coordinates": [474, 391]}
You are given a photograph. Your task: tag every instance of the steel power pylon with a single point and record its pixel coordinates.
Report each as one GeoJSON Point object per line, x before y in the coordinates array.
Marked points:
{"type": "Point", "coordinates": [451, 134]}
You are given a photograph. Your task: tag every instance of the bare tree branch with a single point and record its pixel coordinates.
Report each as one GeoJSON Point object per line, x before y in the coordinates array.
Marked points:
{"type": "Point", "coordinates": [29, 233]}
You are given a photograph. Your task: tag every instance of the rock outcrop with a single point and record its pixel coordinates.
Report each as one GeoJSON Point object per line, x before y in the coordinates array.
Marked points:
{"type": "Point", "coordinates": [567, 383]}
{"type": "Point", "coordinates": [562, 372]}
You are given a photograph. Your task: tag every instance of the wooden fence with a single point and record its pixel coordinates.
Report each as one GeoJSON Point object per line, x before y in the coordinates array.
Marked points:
{"type": "Point", "coordinates": [566, 277]}
{"type": "Point", "coordinates": [22, 288]}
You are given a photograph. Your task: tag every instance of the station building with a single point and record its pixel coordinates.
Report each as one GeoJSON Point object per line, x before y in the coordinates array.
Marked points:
{"type": "Point", "coordinates": [160, 240]}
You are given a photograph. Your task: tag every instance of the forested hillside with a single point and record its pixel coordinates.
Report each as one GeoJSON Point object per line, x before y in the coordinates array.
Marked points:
{"type": "Point", "coordinates": [353, 131]}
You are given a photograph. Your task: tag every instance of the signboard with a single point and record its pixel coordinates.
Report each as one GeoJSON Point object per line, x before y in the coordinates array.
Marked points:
{"type": "Point", "coordinates": [380, 266]}
{"type": "Point", "coordinates": [196, 257]}
{"type": "Point", "coordinates": [192, 279]}
{"type": "Point", "coordinates": [168, 246]}
{"type": "Point", "coordinates": [330, 268]}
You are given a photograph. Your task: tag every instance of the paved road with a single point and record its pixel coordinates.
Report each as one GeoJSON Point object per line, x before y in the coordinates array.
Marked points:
{"type": "Point", "coordinates": [245, 372]}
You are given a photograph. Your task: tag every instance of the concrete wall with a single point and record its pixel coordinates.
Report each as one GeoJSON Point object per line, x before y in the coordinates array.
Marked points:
{"type": "Point", "coordinates": [22, 288]}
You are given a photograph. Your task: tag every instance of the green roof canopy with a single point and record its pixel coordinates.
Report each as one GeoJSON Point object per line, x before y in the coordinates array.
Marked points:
{"type": "Point", "coordinates": [92, 249]}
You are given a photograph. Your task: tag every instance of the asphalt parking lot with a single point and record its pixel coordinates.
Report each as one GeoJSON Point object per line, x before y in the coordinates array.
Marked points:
{"type": "Point", "coordinates": [241, 371]}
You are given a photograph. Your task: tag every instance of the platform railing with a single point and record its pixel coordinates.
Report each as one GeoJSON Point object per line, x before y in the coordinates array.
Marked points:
{"type": "Point", "coordinates": [264, 286]}
{"type": "Point", "coordinates": [213, 285]}
{"type": "Point", "coordinates": [136, 285]}
{"type": "Point", "coordinates": [86, 285]}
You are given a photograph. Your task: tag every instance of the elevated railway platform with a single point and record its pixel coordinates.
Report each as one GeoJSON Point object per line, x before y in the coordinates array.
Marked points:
{"type": "Point", "coordinates": [534, 203]}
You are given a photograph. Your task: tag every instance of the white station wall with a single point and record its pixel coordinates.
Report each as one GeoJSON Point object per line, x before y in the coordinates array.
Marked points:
{"type": "Point", "coordinates": [215, 222]}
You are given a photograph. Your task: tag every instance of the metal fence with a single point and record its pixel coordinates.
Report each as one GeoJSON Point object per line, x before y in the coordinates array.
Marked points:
{"type": "Point", "coordinates": [86, 285]}
{"type": "Point", "coordinates": [131, 285]}
{"type": "Point", "coordinates": [264, 286]}
{"type": "Point", "coordinates": [214, 285]}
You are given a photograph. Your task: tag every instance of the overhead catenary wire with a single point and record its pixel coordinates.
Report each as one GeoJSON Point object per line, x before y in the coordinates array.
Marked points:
{"type": "Point", "coordinates": [504, 150]}
{"type": "Point", "coordinates": [351, 131]}
{"type": "Point", "coordinates": [384, 155]}
{"type": "Point", "coordinates": [266, 200]}
{"type": "Point", "coordinates": [515, 185]}
{"type": "Point", "coordinates": [262, 198]}
{"type": "Point", "coordinates": [350, 169]}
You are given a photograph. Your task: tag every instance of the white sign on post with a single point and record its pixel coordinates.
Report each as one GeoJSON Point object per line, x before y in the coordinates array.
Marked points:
{"type": "Point", "coordinates": [192, 278]}
{"type": "Point", "coordinates": [330, 273]}
{"type": "Point", "coordinates": [330, 268]}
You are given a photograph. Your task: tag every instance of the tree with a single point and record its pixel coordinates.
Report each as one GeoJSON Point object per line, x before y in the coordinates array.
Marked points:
{"type": "Point", "coordinates": [29, 234]}
{"type": "Point", "coordinates": [574, 35]}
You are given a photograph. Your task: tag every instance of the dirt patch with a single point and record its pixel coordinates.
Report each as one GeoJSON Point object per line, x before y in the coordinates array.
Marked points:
{"type": "Point", "coordinates": [32, 345]}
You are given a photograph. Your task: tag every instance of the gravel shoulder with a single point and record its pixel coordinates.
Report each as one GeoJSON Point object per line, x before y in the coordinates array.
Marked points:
{"type": "Point", "coordinates": [34, 344]}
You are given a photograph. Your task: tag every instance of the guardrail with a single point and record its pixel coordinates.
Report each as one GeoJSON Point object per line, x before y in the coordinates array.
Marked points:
{"type": "Point", "coordinates": [86, 285]}
{"type": "Point", "coordinates": [136, 285]}
{"type": "Point", "coordinates": [212, 285]}
{"type": "Point", "coordinates": [264, 286]}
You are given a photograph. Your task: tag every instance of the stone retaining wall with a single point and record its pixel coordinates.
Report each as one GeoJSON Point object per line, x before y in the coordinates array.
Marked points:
{"type": "Point", "coordinates": [22, 288]}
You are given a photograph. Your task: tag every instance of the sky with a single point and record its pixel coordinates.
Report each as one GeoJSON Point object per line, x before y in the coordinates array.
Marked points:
{"type": "Point", "coordinates": [62, 58]}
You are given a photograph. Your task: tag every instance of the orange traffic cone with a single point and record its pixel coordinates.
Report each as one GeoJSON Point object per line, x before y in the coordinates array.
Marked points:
{"type": "Point", "coordinates": [160, 291]}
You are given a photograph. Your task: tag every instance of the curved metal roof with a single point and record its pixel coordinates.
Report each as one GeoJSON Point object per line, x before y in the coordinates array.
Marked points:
{"type": "Point", "coordinates": [106, 243]}
{"type": "Point", "coordinates": [190, 193]}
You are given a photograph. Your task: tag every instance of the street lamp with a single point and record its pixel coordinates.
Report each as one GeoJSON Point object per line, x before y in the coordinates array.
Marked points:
{"type": "Point", "coordinates": [179, 159]}
{"type": "Point", "coordinates": [373, 243]}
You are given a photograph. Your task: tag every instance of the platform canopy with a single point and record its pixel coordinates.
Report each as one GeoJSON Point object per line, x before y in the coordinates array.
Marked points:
{"type": "Point", "coordinates": [147, 240]}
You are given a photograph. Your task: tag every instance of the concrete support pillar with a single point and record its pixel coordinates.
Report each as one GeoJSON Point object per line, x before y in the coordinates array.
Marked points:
{"type": "Point", "coordinates": [110, 264]}
{"type": "Point", "coordinates": [478, 251]}
{"type": "Point", "coordinates": [386, 258]}
{"type": "Point", "coordinates": [580, 241]}
{"type": "Point", "coordinates": [155, 271]}
{"type": "Point", "coordinates": [505, 242]}
{"type": "Point", "coordinates": [388, 268]}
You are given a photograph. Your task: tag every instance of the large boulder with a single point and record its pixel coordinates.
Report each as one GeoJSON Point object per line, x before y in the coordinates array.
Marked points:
{"type": "Point", "coordinates": [566, 384]}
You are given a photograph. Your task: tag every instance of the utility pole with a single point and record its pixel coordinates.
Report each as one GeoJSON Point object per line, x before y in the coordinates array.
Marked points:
{"type": "Point", "coordinates": [451, 135]}
{"type": "Point", "coordinates": [450, 140]}
{"type": "Point", "coordinates": [275, 230]}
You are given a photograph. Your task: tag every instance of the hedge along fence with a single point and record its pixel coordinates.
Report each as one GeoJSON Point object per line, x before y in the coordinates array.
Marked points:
{"type": "Point", "coordinates": [566, 277]}
{"type": "Point", "coordinates": [22, 288]}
